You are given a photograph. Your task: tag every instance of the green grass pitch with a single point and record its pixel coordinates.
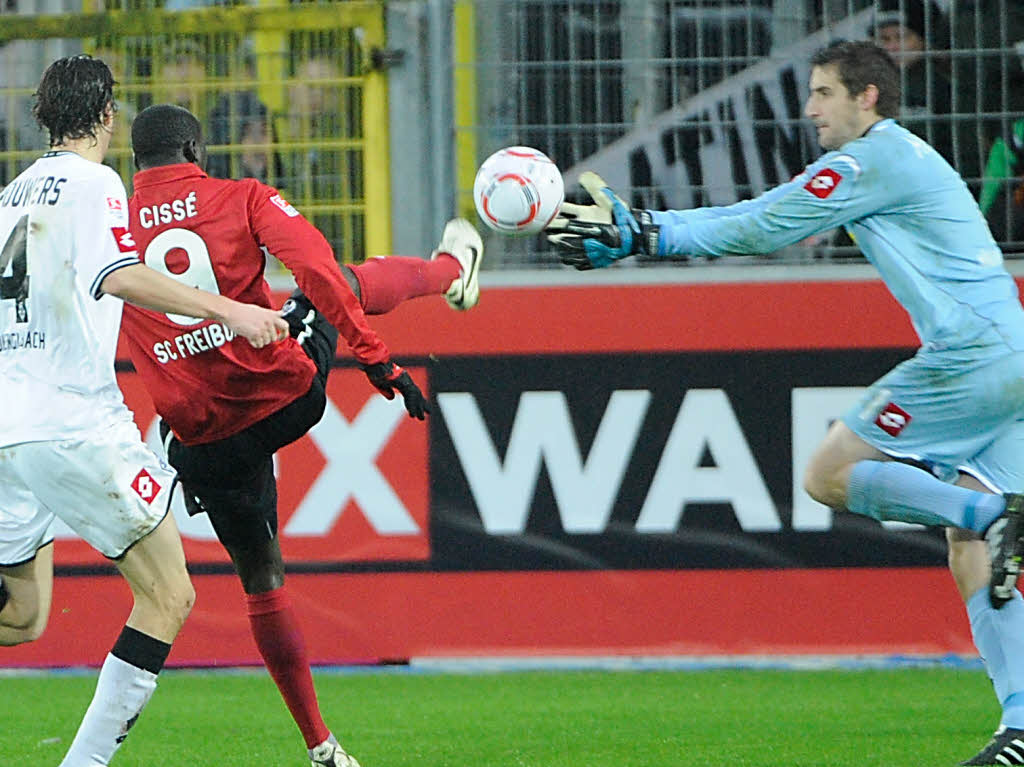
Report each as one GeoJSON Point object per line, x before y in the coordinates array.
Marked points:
{"type": "Point", "coordinates": [899, 718]}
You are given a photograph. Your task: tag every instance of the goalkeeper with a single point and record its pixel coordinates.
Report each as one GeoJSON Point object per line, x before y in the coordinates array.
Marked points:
{"type": "Point", "coordinates": [957, 407]}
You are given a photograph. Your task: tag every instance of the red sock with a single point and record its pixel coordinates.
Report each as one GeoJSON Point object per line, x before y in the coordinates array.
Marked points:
{"type": "Point", "coordinates": [279, 639]}
{"type": "Point", "coordinates": [387, 282]}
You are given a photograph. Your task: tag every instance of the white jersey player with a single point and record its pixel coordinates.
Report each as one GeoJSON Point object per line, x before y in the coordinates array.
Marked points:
{"type": "Point", "coordinates": [68, 216]}
{"type": "Point", "coordinates": [68, 445]}
{"type": "Point", "coordinates": [64, 225]}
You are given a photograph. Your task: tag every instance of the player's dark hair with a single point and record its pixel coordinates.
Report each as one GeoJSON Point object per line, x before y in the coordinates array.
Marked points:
{"type": "Point", "coordinates": [73, 95]}
{"type": "Point", "coordinates": [860, 64]}
{"type": "Point", "coordinates": [160, 133]}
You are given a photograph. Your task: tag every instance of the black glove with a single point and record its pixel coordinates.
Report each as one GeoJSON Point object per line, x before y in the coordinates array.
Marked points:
{"type": "Point", "coordinates": [593, 236]}
{"type": "Point", "coordinates": [387, 376]}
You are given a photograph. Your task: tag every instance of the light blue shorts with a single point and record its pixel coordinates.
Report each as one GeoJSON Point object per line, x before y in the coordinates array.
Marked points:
{"type": "Point", "coordinates": [952, 411]}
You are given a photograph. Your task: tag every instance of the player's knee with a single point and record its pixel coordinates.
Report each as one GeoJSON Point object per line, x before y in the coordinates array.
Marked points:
{"type": "Point", "coordinates": [179, 606]}
{"type": "Point", "coordinates": [825, 481]}
{"type": "Point", "coordinates": [21, 625]}
{"type": "Point", "coordinates": [819, 486]}
{"type": "Point", "coordinates": [174, 600]}
{"type": "Point", "coordinates": [12, 637]}
{"type": "Point", "coordinates": [33, 631]}
{"type": "Point", "coordinates": [261, 578]}
{"type": "Point", "coordinates": [968, 555]}
{"type": "Point", "coordinates": [186, 601]}
{"type": "Point", "coordinates": [352, 280]}
{"type": "Point", "coordinates": [968, 561]}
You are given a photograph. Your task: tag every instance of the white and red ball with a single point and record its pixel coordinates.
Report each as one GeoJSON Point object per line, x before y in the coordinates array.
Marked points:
{"type": "Point", "coordinates": [518, 190]}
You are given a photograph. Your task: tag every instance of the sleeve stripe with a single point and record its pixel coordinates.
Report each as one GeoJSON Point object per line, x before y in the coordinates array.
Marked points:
{"type": "Point", "coordinates": [851, 162]}
{"type": "Point", "coordinates": [94, 289]}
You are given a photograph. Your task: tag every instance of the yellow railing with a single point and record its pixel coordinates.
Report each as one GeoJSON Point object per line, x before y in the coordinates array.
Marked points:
{"type": "Point", "coordinates": [286, 93]}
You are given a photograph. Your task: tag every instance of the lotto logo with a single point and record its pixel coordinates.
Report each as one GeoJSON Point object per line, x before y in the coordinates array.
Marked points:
{"type": "Point", "coordinates": [114, 205]}
{"type": "Point", "coordinates": [823, 183]}
{"type": "Point", "coordinates": [123, 238]}
{"type": "Point", "coordinates": [893, 419]}
{"type": "Point", "coordinates": [284, 205]}
{"type": "Point", "coordinates": [147, 487]}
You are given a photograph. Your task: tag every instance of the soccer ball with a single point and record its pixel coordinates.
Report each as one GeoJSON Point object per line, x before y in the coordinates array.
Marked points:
{"type": "Point", "coordinates": [518, 190]}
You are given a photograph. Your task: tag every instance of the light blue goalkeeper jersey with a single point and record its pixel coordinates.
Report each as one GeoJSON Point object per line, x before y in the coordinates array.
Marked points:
{"type": "Point", "coordinates": [910, 213]}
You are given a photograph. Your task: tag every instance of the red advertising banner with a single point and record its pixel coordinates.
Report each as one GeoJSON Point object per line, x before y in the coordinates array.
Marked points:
{"type": "Point", "coordinates": [590, 319]}
{"type": "Point", "coordinates": [546, 506]}
{"type": "Point", "coordinates": [388, 617]}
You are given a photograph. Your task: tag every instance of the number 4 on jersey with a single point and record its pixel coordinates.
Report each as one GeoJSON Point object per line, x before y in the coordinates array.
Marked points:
{"type": "Point", "coordinates": [14, 268]}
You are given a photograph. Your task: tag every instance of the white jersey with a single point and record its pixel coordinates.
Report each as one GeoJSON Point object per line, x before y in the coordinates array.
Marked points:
{"type": "Point", "coordinates": [63, 228]}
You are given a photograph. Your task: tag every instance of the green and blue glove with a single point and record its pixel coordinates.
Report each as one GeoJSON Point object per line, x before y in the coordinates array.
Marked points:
{"type": "Point", "coordinates": [595, 236]}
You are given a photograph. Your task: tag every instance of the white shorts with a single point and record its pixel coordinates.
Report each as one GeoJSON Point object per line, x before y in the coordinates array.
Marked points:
{"type": "Point", "coordinates": [107, 486]}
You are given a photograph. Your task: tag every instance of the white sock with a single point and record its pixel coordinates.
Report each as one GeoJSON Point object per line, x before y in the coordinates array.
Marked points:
{"type": "Point", "coordinates": [121, 693]}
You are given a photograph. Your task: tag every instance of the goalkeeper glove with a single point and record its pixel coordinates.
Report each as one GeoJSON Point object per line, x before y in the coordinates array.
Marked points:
{"type": "Point", "coordinates": [387, 376]}
{"type": "Point", "coordinates": [594, 236]}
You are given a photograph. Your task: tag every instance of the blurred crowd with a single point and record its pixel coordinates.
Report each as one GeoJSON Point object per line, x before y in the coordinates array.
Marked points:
{"type": "Point", "coordinates": [963, 91]}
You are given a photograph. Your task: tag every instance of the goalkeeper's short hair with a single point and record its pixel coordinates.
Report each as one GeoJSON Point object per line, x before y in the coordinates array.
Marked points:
{"type": "Point", "coordinates": [160, 131]}
{"type": "Point", "coordinates": [862, 63]}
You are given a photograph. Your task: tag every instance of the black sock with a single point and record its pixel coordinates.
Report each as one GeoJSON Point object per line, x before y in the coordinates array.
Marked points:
{"type": "Point", "coordinates": [140, 650]}
{"type": "Point", "coordinates": [3, 594]}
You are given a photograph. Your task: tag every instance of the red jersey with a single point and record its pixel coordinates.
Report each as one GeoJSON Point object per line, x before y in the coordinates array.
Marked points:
{"type": "Point", "coordinates": [213, 234]}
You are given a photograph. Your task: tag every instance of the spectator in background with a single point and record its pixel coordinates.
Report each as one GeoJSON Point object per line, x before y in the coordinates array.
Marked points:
{"type": "Point", "coordinates": [242, 120]}
{"type": "Point", "coordinates": [916, 35]}
{"type": "Point", "coordinates": [989, 87]}
{"type": "Point", "coordinates": [316, 169]}
{"type": "Point", "coordinates": [1002, 191]}
{"type": "Point", "coordinates": [125, 73]}
{"type": "Point", "coordinates": [18, 131]}
{"type": "Point", "coordinates": [316, 112]}
{"type": "Point", "coordinates": [314, 96]}
{"type": "Point", "coordinates": [180, 77]}
{"type": "Point", "coordinates": [917, 38]}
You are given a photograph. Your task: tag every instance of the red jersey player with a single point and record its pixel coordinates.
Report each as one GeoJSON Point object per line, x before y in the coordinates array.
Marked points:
{"type": "Point", "coordinates": [226, 408]}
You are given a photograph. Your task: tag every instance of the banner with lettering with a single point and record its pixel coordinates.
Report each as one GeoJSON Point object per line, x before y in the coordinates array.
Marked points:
{"type": "Point", "coordinates": [638, 461]}
{"type": "Point", "coordinates": [732, 141]}
{"type": "Point", "coordinates": [582, 455]}
{"type": "Point", "coordinates": [608, 469]}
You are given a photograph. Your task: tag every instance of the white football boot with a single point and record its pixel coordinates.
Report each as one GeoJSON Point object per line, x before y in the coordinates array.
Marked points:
{"type": "Point", "coordinates": [331, 754]}
{"type": "Point", "coordinates": [461, 240]}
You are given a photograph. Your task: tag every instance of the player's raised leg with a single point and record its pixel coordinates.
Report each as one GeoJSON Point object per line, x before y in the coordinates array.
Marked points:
{"type": "Point", "coordinates": [461, 240]}
{"type": "Point", "coordinates": [26, 557]}
{"type": "Point", "coordinates": [846, 472]}
{"type": "Point", "coordinates": [382, 283]}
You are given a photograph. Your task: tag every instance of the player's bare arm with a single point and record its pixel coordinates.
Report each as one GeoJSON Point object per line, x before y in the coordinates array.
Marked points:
{"type": "Point", "coordinates": [149, 289]}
